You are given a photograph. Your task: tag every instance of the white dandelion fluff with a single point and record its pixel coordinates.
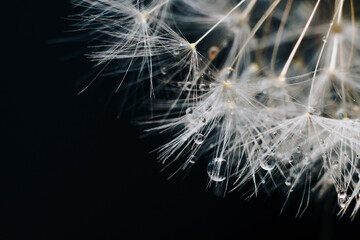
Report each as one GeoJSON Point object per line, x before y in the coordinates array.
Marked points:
{"type": "Point", "coordinates": [265, 91]}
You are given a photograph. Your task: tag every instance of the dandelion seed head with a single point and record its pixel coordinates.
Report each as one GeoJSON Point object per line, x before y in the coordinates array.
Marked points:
{"type": "Point", "coordinates": [266, 92]}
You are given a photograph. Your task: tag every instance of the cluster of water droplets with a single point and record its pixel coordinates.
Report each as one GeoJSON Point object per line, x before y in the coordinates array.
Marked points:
{"type": "Point", "coordinates": [196, 117]}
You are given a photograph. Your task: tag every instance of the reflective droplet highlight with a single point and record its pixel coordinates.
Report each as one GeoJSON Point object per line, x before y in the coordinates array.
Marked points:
{"type": "Point", "coordinates": [217, 169]}
{"type": "Point", "coordinates": [176, 52]}
{"type": "Point", "coordinates": [199, 138]}
{"type": "Point", "coordinates": [268, 163]}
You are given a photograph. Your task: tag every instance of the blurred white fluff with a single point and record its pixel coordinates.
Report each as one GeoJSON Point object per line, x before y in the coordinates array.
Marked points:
{"type": "Point", "coordinates": [266, 91]}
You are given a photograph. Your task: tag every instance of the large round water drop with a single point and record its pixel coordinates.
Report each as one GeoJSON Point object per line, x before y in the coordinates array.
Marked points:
{"type": "Point", "coordinates": [217, 169]}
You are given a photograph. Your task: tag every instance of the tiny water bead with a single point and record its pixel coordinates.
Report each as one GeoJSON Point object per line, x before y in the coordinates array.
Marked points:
{"type": "Point", "coordinates": [203, 120]}
{"type": "Point", "coordinates": [217, 169]}
{"type": "Point", "coordinates": [289, 180]}
{"type": "Point", "coordinates": [192, 159]}
{"type": "Point", "coordinates": [199, 76]}
{"type": "Point", "coordinates": [202, 87]}
{"type": "Point", "coordinates": [298, 149]}
{"type": "Point", "coordinates": [188, 86]}
{"type": "Point", "coordinates": [176, 52]}
{"type": "Point", "coordinates": [342, 198]}
{"type": "Point", "coordinates": [199, 138]}
{"type": "Point", "coordinates": [268, 163]}
{"type": "Point", "coordinates": [342, 195]}
{"type": "Point", "coordinates": [213, 52]}
{"type": "Point", "coordinates": [334, 162]}
{"type": "Point", "coordinates": [324, 38]}
{"type": "Point", "coordinates": [189, 111]}
{"type": "Point", "coordinates": [314, 111]}
{"type": "Point", "coordinates": [164, 70]}
{"type": "Point", "coordinates": [196, 116]}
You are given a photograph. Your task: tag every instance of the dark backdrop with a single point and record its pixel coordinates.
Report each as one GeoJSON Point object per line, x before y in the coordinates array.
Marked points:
{"type": "Point", "coordinates": [71, 170]}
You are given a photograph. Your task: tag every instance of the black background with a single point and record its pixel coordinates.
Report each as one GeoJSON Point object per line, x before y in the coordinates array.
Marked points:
{"type": "Point", "coordinates": [71, 170]}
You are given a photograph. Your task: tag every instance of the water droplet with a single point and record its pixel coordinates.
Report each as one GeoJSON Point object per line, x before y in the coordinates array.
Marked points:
{"type": "Point", "coordinates": [324, 38]}
{"type": "Point", "coordinates": [192, 159]}
{"type": "Point", "coordinates": [176, 52]}
{"type": "Point", "coordinates": [164, 70]}
{"type": "Point", "coordinates": [212, 85]}
{"type": "Point", "coordinates": [306, 160]}
{"type": "Point", "coordinates": [334, 162]}
{"type": "Point", "coordinates": [314, 111]}
{"type": "Point", "coordinates": [202, 87]}
{"type": "Point", "coordinates": [199, 138]}
{"type": "Point", "coordinates": [188, 86]}
{"type": "Point", "coordinates": [289, 180]}
{"type": "Point", "coordinates": [262, 97]}
{"type": "Point", "coordinates": [189, 111]}
{"type": "Point", "coordinates": [342, 194]}
{"type": "Point", "coordinates": [268, 163]}
{"type": "Point", "coordinates": [342, 202]}
{"type": "Point", "coordinates": [213, 52]}
{"type": "Point", "coordinates": [358, 156]}
{"type": "Point", "coordinates": [216, 169]}
{"type": "Point", "coordinates": [203, 120]}
{"type": "Point", "coordinates": [298, 149]}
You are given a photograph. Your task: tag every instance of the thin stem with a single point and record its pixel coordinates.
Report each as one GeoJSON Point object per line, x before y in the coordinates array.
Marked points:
{"type": "Point", "coordinates": [334, 53]}
{"type": "Point", "coordinates": [343, 99]}
{"type": "Point", "coordinates": [158, 6]}
{"type": "Point", "coordinates": [339, 18]}
{"type": "Point", "coordinates": [218, 23]}
{"type": "Point", "coordinates": [280, 32]}
{"type": "Point", "coordinates": [353, 38]}
{"type": "Point", "coordinates": [293, 52]}
{"type": "Point", "coordinates": [249, 8]}
{"type": "Point", "coordinates": [336, 39]}
{"type": "Point", "coordinates": [320, 56]}
{"type": "Point", "coordinates": [255, 29]}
